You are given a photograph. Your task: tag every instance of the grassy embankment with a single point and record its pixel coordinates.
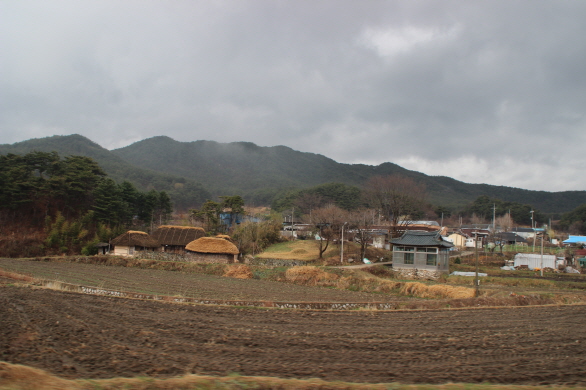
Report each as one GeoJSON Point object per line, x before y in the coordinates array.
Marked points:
{"type": "Point", "coordinates": [17, 377]}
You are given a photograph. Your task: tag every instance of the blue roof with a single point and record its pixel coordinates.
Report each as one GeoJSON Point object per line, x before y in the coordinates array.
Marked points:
{"type": "Point", "coordinates": [576, 240]}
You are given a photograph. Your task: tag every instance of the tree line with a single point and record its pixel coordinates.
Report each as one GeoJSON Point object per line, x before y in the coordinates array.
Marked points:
{"type": "Point", "coordinates": [72, 199]}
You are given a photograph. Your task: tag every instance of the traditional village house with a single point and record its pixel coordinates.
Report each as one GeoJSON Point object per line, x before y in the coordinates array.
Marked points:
{"type": "Point", "coordinates": [211, 250]}
{"type": "Point", "coordinates": [127, 244]}
{"type": "Point", "coordinates": [174, 239]}
{"type": "Point", "coordinates": [421, 254]}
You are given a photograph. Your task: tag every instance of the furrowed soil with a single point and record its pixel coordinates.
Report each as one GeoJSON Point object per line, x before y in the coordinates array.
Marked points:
{"type": "Point", "coordinates": [172, 283]}
{"type": "Point", "coordinates": [83, 336]}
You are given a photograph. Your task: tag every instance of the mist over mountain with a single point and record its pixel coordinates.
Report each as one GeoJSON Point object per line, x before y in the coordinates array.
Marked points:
{"type": "Point", "coordinates": [260, 173]}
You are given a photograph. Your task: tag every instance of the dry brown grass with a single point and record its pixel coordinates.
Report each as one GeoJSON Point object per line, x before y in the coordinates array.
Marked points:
{"type": "Point", "coordinates": [15, 276]}
{"type": "Point", "coordinates": [238, 271]}
{"type": "Point", "coordinates": [436, 291]}
{"type": "Point", "coordinates": [362, 281]}
{"type": "Point", "coordinates": [305, 250]}
{"type": "Point", "coordinates": [311, 276]}
{"type": "Point", "coordinates": [17, 377]}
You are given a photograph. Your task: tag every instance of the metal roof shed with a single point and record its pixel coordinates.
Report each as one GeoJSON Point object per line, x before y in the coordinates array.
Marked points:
{"type": "Point", "coordinates": [421, 251]}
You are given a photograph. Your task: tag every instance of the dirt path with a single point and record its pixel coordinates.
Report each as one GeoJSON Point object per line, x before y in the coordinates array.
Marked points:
{"type": "Point", "coordinates": [81, 336]}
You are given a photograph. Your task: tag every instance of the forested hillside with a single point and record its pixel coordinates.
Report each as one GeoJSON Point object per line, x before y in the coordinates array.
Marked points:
{"type": "Point", "coordinates": [184, 192]}
{"type": "Point", "coordinates": [262, 174]}
{"type": "Point", "coordinates": [192, 172]}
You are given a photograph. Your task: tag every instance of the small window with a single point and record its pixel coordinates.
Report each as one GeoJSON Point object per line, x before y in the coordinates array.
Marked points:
{"type": "Point", "coordinates": [431, 259]}
{"type": "Point", "coordinates": [409, 258]}
{"type": "Point", "coordinates": [431, 250]}
{"type": "Point", "coordinates": [409, 249]}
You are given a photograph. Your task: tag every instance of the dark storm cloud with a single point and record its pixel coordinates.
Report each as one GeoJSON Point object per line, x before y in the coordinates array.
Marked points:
{"type": "Point", "coordinates": [484, 91]}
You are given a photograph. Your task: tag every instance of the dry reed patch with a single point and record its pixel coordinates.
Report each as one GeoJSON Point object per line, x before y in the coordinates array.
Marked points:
{"type": "Point", "coordinates": [15, 276]}
{"type": "Point", "coordinates": [238, 271]}
{"type": "Point", "coordinates": [311, 276]}
{"type": "Point", "coordinates": [436, 291]}
{"type": "Point", "coordinates": [367, 283]}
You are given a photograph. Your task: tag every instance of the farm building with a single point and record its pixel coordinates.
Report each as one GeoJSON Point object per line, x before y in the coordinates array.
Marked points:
{"type": "Point", "coordinates": [536, 261]}
{"type": "Point", "coordinates": [575, 240]}
{"type": "Point", "coordinates": [174, 239]}
{"type": "Point", "coordinates": [419, 251]}
{"type": "Point", "coordinates": [127, 244]}
{"type": "Point", "coordinates": [211, 250]}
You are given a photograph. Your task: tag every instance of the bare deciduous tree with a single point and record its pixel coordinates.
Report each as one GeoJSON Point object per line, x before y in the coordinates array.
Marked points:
{"type": "Point", "coordinates": [361, 223]}
{"type": "Point", "coordinates": [307, 202]}
{"type": "Point", "coordinates": [399, 199]}
{"type": "Point", "coordinates": [328, 221]}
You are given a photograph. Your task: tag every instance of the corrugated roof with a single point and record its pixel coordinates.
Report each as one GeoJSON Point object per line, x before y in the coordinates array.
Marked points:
{"type": "Point", "coordinates": [575, 240]}
{"type": "Point", "coordinates": [416, 238]}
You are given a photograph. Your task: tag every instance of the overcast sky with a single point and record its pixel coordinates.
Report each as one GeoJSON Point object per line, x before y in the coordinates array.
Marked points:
{"type": "Point", "coordinates": [482, 91]}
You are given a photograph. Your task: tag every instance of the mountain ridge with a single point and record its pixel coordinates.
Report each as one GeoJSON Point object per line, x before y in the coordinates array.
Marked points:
{"type": "Point", "coordinates": [258, 173]}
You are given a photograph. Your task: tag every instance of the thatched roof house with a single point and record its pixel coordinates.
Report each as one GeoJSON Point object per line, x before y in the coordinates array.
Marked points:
{"type": "Point", "coordinates": [212, 250]}
{"type": "Point", "coordinates": [127, 243]}
{"type": "Point", "coordinates": [175, 238]}
{"type": "Point", "coordinates": [225, 237]}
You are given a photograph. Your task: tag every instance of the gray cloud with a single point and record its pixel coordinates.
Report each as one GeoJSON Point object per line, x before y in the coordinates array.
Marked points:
{"type": "Point", "coordinates": [484, 91]}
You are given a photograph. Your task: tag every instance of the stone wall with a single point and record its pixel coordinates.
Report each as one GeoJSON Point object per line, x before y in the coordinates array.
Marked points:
{"type": "Point", "coordinates": [421, 274]}
{"type": "Point", "coordinates": [160, 256]}
{"type": "Point", "coordinates": [278, 262]}
{"type": "Point", "coordinates": [210, 258]}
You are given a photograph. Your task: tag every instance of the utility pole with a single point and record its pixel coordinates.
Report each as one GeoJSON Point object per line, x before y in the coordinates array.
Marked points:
{"type": "Point", "coordinates": [542, 253]}
{"type": "Point", "coordinates": [293, 235]}
{"type": "Point", "coordinates": [533, 228]}
{"type": "Point", "coordinates": [342, 244]}
{"type": "Point", "coordinates": [476, 281]}
{"type": "Point", "coordinates": [494, 217]}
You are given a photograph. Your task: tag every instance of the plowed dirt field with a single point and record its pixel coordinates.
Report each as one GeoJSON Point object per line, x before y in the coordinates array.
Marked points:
{"type": "Point", "coordinates": [83, 336]}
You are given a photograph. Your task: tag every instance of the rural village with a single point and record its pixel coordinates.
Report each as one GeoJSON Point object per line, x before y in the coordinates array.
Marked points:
{"type": "Point", "coordinates": [306, 298]}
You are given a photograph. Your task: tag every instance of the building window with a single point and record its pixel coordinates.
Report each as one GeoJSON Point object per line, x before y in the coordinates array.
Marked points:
{"type": "Point", "coordinates": [431, 259]}
{"type": "Point", "coordinates": [408, 258]}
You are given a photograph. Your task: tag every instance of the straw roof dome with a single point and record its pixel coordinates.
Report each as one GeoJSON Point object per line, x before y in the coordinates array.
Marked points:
{"type": "Point", "coordinates": [224, 236]}
{"type": "Point", "coordinates": [135, 238]}
{"type": "Point", "coordinates": [177, 235]}
{"type": "Point", "coordinates": [212, 245]}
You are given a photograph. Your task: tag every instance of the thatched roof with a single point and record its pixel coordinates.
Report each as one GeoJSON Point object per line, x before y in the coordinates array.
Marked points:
{"type": "Point", "coordinates": [225, 237]}
{"type": "Point", "coordinates": [134, 238]}
{"type": "Point", "coordinates": [212, 245]}
{"type": "Point", "coordinates": [177, 235]}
